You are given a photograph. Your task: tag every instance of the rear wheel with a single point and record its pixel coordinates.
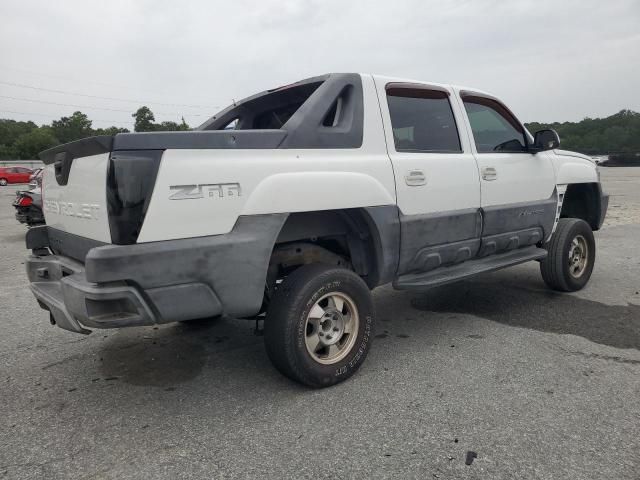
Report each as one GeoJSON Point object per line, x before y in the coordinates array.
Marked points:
{"type": "Point", "coordinates": [318, 329]}
{"type": "Point", "coordinates": [572, 255]}
{"type": "Point", "coordinates": [3, 182]}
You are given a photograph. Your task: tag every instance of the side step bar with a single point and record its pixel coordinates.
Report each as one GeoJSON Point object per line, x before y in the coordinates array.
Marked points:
{"type": "Point", "coordinates": [441, 276]}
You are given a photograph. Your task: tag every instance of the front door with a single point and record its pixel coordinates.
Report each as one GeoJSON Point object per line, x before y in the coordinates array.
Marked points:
{"type": "Point", "coordinates": [518, 194]}
{"type": "Point", "coordinates": [437, 182]}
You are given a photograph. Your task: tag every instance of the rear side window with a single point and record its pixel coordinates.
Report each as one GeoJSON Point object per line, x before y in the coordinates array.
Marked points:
{"type": "Point", "coordinates": [265, 111]}
{"type": "Point", "coordinates": [494, 128]}
{"type": "Point", "coordinates": [422, 120]}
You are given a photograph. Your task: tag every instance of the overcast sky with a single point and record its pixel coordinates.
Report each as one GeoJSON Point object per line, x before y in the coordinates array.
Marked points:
{"type": "Point", "coordinates": [548, 60]}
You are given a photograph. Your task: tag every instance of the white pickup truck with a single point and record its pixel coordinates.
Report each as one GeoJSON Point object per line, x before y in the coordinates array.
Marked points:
{"type": "Point", "coordinates": [297, 202]}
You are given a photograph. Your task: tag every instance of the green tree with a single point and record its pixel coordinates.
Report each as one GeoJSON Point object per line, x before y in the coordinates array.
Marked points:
{"type": "Point", "coordinates": [28, 145]}
{"type": "Point", "coordinates": [10, 130]}
{"type": "Point", "coordinates": [617, 133]}
{"type": "Point", "coordinates": [75, 127]}
{"type": "Point", "coordinates": [173, 126]}
{"type": "Point", "coordinates": [110, 131]}
{"type": "Point", "coordinates": [8, 152]}
{"type": "Point", "coordinates": [144, 122]}
{"type": "Point", "coordinates": [144, 119]}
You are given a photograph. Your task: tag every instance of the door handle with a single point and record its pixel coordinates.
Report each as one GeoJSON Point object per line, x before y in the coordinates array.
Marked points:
{"type": "Point", "coordinates": [489, 174]}
{"type": "Point", "coordinates": [415, 178]}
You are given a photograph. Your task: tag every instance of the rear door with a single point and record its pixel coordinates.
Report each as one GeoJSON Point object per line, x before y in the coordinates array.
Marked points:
{"type": "Point", "coordinates": [437, 182]}
{"type": "Point", "coordinates": [518, 195]}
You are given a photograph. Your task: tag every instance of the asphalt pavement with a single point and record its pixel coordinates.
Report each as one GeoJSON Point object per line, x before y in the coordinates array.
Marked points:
{"type": "Point", "coordinates": [525, 382]}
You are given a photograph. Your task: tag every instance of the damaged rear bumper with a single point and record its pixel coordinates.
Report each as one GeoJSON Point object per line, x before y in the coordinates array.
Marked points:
{"type": "Point", "coordinates": [60, 286]}
{"type": "Point", "coordinates": [85, 284]}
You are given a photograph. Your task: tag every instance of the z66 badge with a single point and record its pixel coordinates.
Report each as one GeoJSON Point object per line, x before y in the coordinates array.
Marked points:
{"type": "Point", "coordinates": [216, 190]}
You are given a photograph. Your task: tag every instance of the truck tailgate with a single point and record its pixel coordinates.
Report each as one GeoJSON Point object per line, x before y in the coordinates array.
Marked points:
{"type": "Point", "coordinates": [79, 206]}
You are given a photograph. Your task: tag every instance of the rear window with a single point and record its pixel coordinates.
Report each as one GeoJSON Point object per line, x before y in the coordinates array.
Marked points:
{"type": "Point", "coordinates": [422, 120]}
{"type": "Point", "coordinates": [265, 111]}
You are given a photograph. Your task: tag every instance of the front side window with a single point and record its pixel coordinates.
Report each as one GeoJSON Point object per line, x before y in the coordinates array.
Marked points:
{"type": "Point", "coordinates": [422, 120]}
{"type": "Point", "coordinates": [494, 128]}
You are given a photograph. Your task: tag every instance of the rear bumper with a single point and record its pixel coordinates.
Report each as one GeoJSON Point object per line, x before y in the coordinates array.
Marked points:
{"type": "Point", "coordinates": [158, 282]}
{"type": "Point", "coordinates": [60, 286]}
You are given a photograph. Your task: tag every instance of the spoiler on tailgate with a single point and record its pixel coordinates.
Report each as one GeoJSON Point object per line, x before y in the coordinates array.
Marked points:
{"type": "Point", "coordinates": [79, 148]}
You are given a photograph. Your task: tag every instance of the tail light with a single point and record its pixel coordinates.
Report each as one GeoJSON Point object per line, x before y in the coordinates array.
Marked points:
{"type": "Point", "coordinates": [130, 181]}
{"type": "Point", "coordinates": [25, 201]}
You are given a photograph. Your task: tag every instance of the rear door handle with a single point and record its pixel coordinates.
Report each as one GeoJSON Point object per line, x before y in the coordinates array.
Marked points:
{"type": "Point", "coordinates": [415, 178]}
{"type": "Point", "coordinates": [489, 174]}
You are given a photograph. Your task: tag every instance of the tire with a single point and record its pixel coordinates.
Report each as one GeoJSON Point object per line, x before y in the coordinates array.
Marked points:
{"type": "Point", "coordinates": [305, 310]}
{"type": "Point", "coordinates": [3, 182]}
{"type": "Point", "coordinates": [572, 255]}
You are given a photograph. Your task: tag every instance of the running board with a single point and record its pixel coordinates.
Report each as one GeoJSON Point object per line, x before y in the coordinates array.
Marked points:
{"type": "Point", "coordinates": [443, 275]}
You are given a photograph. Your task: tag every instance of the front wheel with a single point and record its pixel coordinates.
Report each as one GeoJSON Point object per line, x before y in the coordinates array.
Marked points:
{"type": "Point", "coordinates": [572, 254]}
{"type": "Point", "coordinates": [3, 182]}
{"type": "Point", "coordinates": [319, 326]}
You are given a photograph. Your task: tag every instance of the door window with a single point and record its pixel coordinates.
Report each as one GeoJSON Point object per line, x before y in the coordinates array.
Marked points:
{"type": "Point", "coordinates": [494, 128]}
{"type": "Point", "coordinates": [422, 120]}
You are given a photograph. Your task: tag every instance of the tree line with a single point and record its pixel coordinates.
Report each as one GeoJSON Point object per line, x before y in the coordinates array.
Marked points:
{"type": "Point", "coordinates": [619, 133]}
{"type": "Point", "coordinates": [24, 140]}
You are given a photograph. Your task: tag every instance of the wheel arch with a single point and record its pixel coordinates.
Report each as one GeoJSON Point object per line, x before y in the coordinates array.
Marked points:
{"type": "Point", "coordinates": [583, 200]}
{"type": "Point", "coordinates": [367, 237]}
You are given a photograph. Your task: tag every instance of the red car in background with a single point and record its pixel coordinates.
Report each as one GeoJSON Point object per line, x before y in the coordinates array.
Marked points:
{"type": "Point", "coordinates": [14, 175]}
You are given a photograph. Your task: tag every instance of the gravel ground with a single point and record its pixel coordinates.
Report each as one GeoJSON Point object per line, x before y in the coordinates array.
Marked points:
{"type": "Point", "coordinates": [537, 384]}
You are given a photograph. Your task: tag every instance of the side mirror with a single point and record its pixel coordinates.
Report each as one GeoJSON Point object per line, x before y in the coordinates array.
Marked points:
{"type": "Point", "coordinates": [544, 140]}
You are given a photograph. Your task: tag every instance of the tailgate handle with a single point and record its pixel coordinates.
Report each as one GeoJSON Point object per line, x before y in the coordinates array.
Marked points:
{"type": "Point", "coordinates": [61, 167]}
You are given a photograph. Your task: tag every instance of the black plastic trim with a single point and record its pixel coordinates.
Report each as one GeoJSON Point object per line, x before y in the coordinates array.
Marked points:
{"type": "Point", "coordinates": [439, 233]}
{"type": "Point", "coordinates": [209, 139]}
{"type": "Point", "coordinates": [514, 217]}
{"type": "Point", "coordinates": [385, 222]}
{"type": "Point", "coordinates": [604, 205]}
{"type": "Point", "coordinates": [131, 178]}
{"type": "Point", "coordinates": [63, 243]}
{"type": "Point", "coordinates": [70, 245]}
{"type": "Point", "coordinates": [305, 127]}
{"type": "Point", "coordinates": [240, 108]}
{"type": "Point", "coordinates": [79, 148]}
{"type": "Point", "coordinates": [37, 237]}
{"type": "Point", "coordinates": [233, 265]}
{"type": "Point", "coordinates": [443, 276]}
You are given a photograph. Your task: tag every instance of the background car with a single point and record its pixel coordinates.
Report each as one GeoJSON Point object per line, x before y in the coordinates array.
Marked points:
{"type": "Point", "coordinates": [28, 205]}
{"type": "Point", "coordinates": [35, 179]}
{"type": "Point", "coordinates": [14, 175]}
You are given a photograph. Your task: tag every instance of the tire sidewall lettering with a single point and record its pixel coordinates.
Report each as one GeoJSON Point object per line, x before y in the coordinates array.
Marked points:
{"type": "Point", "coordinates": [302, 321]}
{"type": "Point", "coordinates": [357, 353]}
